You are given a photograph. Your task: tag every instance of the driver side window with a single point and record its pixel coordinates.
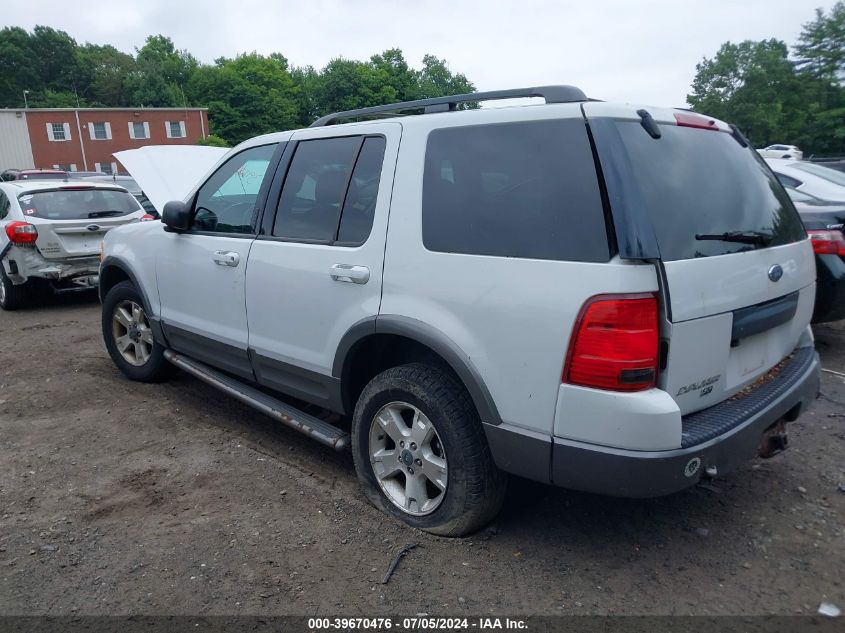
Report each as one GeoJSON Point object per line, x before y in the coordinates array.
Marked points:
{"type": "Point", "coordinates": [226, 202]}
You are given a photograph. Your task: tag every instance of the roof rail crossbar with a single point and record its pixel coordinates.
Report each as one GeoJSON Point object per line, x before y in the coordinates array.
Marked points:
{"type": "Point", "coordinates": [552, 94]}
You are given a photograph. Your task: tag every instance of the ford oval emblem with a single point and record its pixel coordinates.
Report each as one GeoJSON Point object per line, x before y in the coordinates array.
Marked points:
{"type": "Point", "coordinates": [96, 227]}
{"type": "Point", "coordinates": [775, 272]}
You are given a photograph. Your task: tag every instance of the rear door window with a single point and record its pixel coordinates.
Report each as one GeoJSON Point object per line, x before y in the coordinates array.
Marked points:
{"type": "Point", "coordinates": [694, 183]}
{"type": "Point", "coordinates": [78, 204]}
{"type": "Point", "coordinates": [525, 190]}
{"type": "Point", "coordinates": [315, 187]}
{"type": "Point", "coordinates": [329, 194]}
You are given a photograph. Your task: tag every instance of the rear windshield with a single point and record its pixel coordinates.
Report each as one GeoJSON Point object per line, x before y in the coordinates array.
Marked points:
{"type": "Point", "coordinates": [694, 183]}
{"type": "Point", "coordinates": [78, 204]}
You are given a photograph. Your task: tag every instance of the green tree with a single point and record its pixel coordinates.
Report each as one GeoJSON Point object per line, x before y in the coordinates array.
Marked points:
{"type": "Point", "coordinates": [104, 69]}
{"type": "Point", "coordinates": [345, 84]}
{"type": "Point", "coordinates": [754, 85]}
{"type": "Point", "coordinates": [436, 80]}
{"type": "Point", "coordinates": [18, 69]}
{"type": "Point", "coordinates": [305, 81]}
{"type": "Point", "coordinates": [821, 45]}
{"type": "Point", "coordinates": [391, 63]}
{"type": "Point", "coordinates": [160, 74]}
{"type": "Point", "coordinates": [246, 96]}
{"type": "Point", "coordinates": [54, 53]}
{"type": "Point", "coordinates": [212, 140]}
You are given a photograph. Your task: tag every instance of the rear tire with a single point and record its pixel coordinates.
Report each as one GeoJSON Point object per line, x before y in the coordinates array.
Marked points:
{"type": "Point", "coordinates": [12, 297]}
{"type": "Point", "coordinates": [128, 337]}
{"type": "Point", "coordinates": [430, 412]}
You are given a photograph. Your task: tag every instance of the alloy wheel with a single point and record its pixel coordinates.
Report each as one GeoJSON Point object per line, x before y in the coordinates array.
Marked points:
{"type": "Point", "coordinates": [408, 458]}
{"type": "Point", "coordinates": [132, 334]}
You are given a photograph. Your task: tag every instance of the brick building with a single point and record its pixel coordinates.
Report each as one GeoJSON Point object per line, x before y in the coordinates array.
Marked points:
{"type": "Point", "coordinates": [84, 139]}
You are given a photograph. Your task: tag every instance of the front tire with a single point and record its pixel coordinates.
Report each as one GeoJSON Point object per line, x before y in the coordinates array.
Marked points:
{"type": "Point", "coordinates": [12, 297]}
{"type": "Point", "coordinates": [421, 454]}
{"type": "Point", "coordinates": [129, 338]}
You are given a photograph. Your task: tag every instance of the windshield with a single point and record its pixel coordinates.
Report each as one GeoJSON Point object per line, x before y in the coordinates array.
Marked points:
{"type": "Point", "coordinates": [831, 175]}
{"type": "Point", "coordinates": [78, 204]}
{"type": "Point", "coordinates": [697, 185]}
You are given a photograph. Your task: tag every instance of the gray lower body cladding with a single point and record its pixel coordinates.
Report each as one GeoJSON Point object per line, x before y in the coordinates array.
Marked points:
{"type": "Point", "coordinates": [733, 435]}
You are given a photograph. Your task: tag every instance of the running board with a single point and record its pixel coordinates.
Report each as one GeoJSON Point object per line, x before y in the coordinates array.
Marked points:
{"type": "Point", "coordinates": [315, 428]}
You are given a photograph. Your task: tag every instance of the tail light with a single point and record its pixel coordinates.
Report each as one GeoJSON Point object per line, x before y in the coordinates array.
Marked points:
{"type": "Point", "coordinates": [147, 217]}
{"type": "Point", "coordinates": [827, 242]}
{"type": "Point", "coordinates": [614, 344]}
{"type": "Point", "coordinates": [21, 233]}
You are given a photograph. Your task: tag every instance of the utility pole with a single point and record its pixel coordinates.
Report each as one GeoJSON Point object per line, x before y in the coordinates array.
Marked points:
{"type": "Point", "coordinates": [25, 103]}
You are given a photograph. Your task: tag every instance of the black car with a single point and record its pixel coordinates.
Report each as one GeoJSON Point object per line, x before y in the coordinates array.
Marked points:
{"type": "Point", "coordinates": [824, 222]}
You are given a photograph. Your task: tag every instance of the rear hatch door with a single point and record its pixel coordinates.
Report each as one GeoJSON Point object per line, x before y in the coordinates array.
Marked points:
{"type": "Point", "coordinates": [72, 220]}
{"type": "Point", "coordinates": [736, 267]}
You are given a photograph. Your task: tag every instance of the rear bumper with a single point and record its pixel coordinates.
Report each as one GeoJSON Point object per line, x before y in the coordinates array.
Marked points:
{"type": "Point", "coordinates": [830, 289]}
{"type": "Point", "coordinates": [23, 263]}
{"type": "Point", "coordinates": [739, 425]}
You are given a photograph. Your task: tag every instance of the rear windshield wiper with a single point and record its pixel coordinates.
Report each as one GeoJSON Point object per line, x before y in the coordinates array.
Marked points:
{"type": "Point", "coordinates": [104, 214]}
{"type": "Point", "coordinates": [760, 238]}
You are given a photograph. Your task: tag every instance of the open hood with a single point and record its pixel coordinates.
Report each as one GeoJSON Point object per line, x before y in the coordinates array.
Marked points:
{"type": "Point", "coordinates": [169, 172]}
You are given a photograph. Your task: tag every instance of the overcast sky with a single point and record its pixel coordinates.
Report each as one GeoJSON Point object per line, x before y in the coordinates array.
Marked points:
{"type": "Point", "coordinates": [641, 51]}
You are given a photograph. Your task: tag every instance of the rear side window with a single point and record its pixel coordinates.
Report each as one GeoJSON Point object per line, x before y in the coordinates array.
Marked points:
{"type": "Point", "coordinates": [78, 204]}
{"type": "Point", "coordinates": [525, 190]}
{"type": "Point", "coordinates": [309, 207]}
{"type": "Point", "coordinates": [697, 184]}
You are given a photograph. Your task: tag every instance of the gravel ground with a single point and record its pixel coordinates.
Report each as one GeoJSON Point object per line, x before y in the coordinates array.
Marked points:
{"type": "Point", "coordinates": [122, 498]}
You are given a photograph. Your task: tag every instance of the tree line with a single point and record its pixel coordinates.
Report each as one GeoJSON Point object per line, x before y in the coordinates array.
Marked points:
{"type": "Point", "coordinates": [775, 94]}
{"type": "Point", "coordinates": [246, 95]}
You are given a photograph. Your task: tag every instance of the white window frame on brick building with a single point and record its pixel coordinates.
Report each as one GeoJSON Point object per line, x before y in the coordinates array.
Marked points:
{"type": "Point", "coordinates": [169, 127]}
{"type": "Point", "coordinates": [66, 166]}
{"type": "Point", "coordinates": [106, 130]}
{"type": "Point", "coordinates": [133, 130]}
{"type": "Point", "coordinates": [106, 168]}
{"type": "Point", "coordinates": [58, 131]}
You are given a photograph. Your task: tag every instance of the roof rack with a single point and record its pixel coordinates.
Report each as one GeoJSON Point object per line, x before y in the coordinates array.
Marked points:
{"type": "Point", "coordinates": [552, 94]}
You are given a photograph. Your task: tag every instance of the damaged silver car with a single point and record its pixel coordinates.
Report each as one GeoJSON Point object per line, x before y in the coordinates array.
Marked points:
{"type": "Point", "coordinates": [50, 234]}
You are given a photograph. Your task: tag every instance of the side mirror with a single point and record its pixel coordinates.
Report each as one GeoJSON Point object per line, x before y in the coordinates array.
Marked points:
{"type": "Point", "coordinates": [176, 216]}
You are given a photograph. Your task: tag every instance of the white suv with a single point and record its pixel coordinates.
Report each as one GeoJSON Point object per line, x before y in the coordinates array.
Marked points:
{"type": "Point", "coordinates": [50, 234]}
{"type": "Point", "coordinates": [782, 151]}
{"type": "Point", "coordinates": [585, 294]}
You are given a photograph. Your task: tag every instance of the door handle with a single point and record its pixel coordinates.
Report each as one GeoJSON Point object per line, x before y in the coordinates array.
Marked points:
{"type": "Point", "coordinates": [350, 274]}
{"type": "Point", "coordinates": [226, 258]}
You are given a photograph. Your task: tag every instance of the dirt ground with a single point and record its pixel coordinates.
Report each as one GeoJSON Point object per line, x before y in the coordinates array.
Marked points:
{"type": "Point", "coordinates": [121, 498]}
